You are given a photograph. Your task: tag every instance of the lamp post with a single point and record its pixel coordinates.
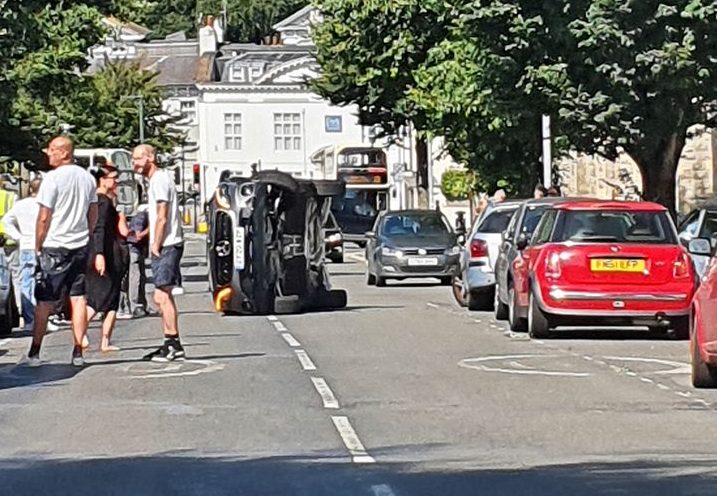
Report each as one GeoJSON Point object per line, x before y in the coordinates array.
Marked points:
{"type": "Point", "coordinates": [140, 103]}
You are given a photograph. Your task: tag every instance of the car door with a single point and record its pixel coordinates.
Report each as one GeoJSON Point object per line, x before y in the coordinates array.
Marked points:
{"type": "Point", "coordinates": [503, 260]}
{"type": "Point", "coordinates": [705, 303]}
{"type": "Point", "coordinates": [524, 264]}
{"type": "Point", "coordinates": [371, 243]}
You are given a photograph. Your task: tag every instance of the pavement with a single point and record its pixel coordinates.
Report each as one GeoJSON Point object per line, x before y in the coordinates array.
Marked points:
{"type": "Point", "coordinates": [402, 393]}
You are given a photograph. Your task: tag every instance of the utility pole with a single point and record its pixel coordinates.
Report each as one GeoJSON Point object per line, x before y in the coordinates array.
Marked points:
{"type": "Point", "coordinates": [140, 104]}
{"type": "Point", "coordinates": [547, 153]}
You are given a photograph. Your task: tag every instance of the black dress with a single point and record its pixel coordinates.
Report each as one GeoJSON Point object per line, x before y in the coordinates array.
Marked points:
{"type": "Point", "coordinates": [103, 292]}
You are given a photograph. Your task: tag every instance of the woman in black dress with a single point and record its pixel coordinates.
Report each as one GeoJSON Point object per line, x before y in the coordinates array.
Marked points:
{"type": "Point", "coordinates": [104, 278]}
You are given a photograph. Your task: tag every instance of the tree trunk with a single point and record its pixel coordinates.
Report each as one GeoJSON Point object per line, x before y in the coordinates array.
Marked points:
{"type": "Point", "coordinates": [658, 166]}
{"type": "Point", "coordinates": [422, 172]}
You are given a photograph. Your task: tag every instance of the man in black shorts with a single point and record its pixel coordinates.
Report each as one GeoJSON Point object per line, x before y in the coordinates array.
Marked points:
{"type": "Point", "coordinates": [166, 244]}
{"type": "Point", "coordinates": [67, 216]}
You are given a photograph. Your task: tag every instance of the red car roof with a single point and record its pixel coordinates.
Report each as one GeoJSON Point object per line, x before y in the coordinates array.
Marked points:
{"type": "Point", "coordinates": [630, 206]}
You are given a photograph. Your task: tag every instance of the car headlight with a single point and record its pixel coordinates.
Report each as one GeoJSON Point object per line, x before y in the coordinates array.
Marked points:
{"type": "Point", "coordinates": [335, 238]}
{"type": "Point", "coordinates": [455, 250]}
{"type": "Point", "coordinates": [221, 199]}
{"type": "Point", "coordinates": [390, 252]}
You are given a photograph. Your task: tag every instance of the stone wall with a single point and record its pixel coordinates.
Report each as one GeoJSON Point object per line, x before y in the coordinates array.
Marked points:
{"type": "Point", "coordinates": [697, 174]}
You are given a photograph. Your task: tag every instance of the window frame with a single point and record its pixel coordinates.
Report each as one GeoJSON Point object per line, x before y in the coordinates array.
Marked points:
{"type": "Point", "coordinates": [233, 135]}
{"type": "Point", "coordinates": [291, 119]}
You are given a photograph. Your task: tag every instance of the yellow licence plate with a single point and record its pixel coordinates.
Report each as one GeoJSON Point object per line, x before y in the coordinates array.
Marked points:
{"type": "Point", "coordinates": [617, 265]}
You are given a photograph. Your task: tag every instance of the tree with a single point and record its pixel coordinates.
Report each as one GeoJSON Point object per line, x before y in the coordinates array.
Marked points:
{"type": "Point", "coordinates": [632, 76]}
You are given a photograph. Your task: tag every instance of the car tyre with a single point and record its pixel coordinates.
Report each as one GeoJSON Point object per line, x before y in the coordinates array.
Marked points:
{"type": "Point", "coordinates": [517, 324]}
{"type": "Point", "coordinates": [6, 321]}
{"type": "Point", "coordinates": [337, 257]}
{"type": "Point", "coordinates": [703, 375]}
{"type": "Point", "coordinates": [681, 328]}
{"type": "Point", "coordinates": [380, 281]}
{"type": "Point", "coordinates": [500, 308]}
{"type": "Point", "coordinates": [370, 279]}
{"type": "Point", "coordinates": [538, 322]}
{"type": "Point", "coordinates": [446, 281]}
{"type": "Point", "coordinates": [479, 301]}
{"type": "Point", "coordinates": [287, 305]}
{"type": "Point", "coordinates": [459, 293]}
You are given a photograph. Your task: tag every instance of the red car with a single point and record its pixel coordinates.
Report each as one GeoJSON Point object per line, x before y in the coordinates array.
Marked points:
{"type": "Point", "coordinates": [593, 263]}
{"type": "Point", "coordinates": [703, 341]}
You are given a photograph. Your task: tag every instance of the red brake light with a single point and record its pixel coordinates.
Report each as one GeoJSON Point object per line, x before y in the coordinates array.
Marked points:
{"type": "Point", "coordinates": [682, 266]}
{"type": "Point", "coordinates": [552, 265]}
{"type": "Point", "coordinates": [479, 248]}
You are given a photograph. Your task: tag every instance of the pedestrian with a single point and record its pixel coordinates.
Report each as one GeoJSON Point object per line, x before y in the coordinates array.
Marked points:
{"type": "Point", "coordinates": [11, 253]}
{"type": "Point", "coordinates": [499, 196]}
{"type": "Point", "coordinates": [166, 247]}
{"type": "Point", "coordinates": [67, 216]}
{"type": "Point", "coordinates": [540, 191]}
{"type": "Point", "coordinates": [138, 241]}
{"type": "Point", "coordinates": [554, 191]}
{"type": "Point", "coordinates": [104, 277]}
{"type": "Point", "coordinates": [19, 224]}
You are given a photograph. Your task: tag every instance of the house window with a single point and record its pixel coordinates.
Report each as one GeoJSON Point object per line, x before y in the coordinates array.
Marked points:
{"type": "Point", "coordinates": [287, 132]}
{"type": "Point", "coordinates": [239, 73]}
{"type": "Point", "coordinates": [188, 109]}
{"type": "Point", "coordinates": [232, 131]}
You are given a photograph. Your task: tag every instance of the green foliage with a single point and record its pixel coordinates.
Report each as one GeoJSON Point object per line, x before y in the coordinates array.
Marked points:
{"type": "Point", "coordinates": [251, 20]}
{"type": "Point", "coordinates": [457, 184]}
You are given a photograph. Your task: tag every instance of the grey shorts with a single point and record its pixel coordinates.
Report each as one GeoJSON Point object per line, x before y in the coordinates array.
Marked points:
{"type": "Point", "coordinates": [61, 273]}
{"type": "Point", "coordinates": [166, 272]}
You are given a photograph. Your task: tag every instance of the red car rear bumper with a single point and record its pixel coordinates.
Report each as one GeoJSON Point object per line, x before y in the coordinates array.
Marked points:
{"type": "Point", "coordinates": [670, 301]}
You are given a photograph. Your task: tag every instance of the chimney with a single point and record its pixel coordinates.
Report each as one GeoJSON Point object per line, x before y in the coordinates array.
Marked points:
{"type": "Point", "coordinates": [207, 37]}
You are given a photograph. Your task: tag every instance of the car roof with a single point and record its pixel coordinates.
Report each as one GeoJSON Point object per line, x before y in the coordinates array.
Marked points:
{"type": "Point", "coordinates": [552, 200]}
{"type": "Point", "coordinates": [413, 211]}
{"type": "Point", "coordinates": [505, 205]}
{"type": "Point", "coordinates": [630, 206]}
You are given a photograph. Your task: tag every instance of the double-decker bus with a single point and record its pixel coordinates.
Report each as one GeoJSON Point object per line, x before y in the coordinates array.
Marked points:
{"type": "Point", "coordinates": [365, 172]}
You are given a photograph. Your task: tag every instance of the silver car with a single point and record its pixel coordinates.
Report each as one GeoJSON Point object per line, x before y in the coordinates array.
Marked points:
{"type": "Point", "coordinates": [700, 223]}
{"type": "Point", "coordinates": [480, 253]}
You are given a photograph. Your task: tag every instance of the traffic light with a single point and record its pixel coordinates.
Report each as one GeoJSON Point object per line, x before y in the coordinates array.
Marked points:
{"type": "Point", "coordinates": [195, 170]}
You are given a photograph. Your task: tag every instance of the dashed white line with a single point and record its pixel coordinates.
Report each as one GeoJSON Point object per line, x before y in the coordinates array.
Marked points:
{"type": "Point", "coordinates": [305, 360]}
{"type": "Point", "coordinates": [684, 394]}
{"type": "Point", "coordinates": [290, 340]}
{"type": "Point", "coordinates": [280, 327]}
{"type": "Point", "coordinates": [327, 396]}
{"type": "Point", "coordinates": [351, 440]}
{"type": "Point", "coordinates": [432, 305]}
{"type": "Point", "coordinates": [663, 387]}
{"type": "Point", "coordinates": [646, 380]}
{"type": "Point", "coordinates": [272, 318]}
{"type": "Point", "coordinates": [382, 490]}
{"type": "Point", "coordinates": [588, 358]}
{"type": "Point", "coordinates": [631, 373]}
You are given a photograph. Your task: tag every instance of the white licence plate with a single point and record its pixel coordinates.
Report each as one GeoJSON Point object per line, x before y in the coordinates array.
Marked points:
{"type": "Point", "coordinates": [422, 261]}
{"type": "Point", "coordinates": [239, 248]}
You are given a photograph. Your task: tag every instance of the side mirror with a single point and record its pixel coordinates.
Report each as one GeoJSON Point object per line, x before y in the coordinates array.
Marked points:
{"type": "Point", "coordinates": [522, 242]}
{"type": "Point", "coordinates": [370, 234]}
{"type": "Point", "coordinates": [700, 246]}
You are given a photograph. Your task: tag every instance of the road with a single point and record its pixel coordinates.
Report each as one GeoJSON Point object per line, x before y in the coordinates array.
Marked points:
{"type": "Point", "coordinates": [403, 393]}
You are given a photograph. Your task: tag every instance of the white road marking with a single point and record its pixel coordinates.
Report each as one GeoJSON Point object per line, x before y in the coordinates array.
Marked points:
{"type": "Point", "coordinates": [173, 370]}
{"type": "Point", "coordinates": [663, 387]}
{"type": "Point", "coordinates": [646, 380]}
{"type": "Point", "coordinates": [351, 440]}
{"type": "Point", "coordinates": [684, 394]}
{"type": "Point", "coordinates": [702, 402]}
{"type": "Point", "coordinates": [382, 490]}
{"type": "Point", "coordinates": [678, 368]}
{"type": "Point", "coordinates": [588, 358]}
{"type": "Point", "coordinates": [327, 396]}
{"type": "Point", "coordinates": [519, 368]}
{"type": "Point", "coordinates": [305, 360]}
{"type": "Point", "coordinates": [432, 305]}
{"type": "Point", "coordinates": [631, 373]}
{"type": "Point", "coordinates": [272, 318]}
{"type": "Point", "coordinates": [280, 327]}
{"type": "Point", "coordinates": [290, 340]}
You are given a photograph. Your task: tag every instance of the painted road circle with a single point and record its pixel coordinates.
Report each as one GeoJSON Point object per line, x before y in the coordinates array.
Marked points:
{"type": "Point", "coordinates": [524, 364]}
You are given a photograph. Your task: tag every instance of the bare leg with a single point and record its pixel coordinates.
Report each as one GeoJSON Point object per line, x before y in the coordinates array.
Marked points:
{"type": "Point", "coordinates": [39, 327]}
{"type": "Point", "coordinates": [108, 326]}
{"type": "Point", "coordinates": [165, 302]}
{"type": "Point", "coordinates": [91, 313]}
{"type": "Point", "coordinates": [79, 318]}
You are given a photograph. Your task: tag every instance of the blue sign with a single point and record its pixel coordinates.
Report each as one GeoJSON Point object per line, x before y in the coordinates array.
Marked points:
{"type": "Point", "coordinates": [333, 124]}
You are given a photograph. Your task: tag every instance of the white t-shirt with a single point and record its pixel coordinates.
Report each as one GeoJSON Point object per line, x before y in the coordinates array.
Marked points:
{"type": "Point", "coordinates": [20, 222]}
{"type": "Point", "coordinates": [161, 189]}
{"type": "Point", "coordinates": [68, 191]}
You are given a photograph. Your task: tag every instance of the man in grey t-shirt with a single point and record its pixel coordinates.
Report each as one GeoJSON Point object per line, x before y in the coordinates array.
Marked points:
{"type": "Point", "coordinates": [67, 215]}
{"type": "Point", "coordinates": [166, 245]}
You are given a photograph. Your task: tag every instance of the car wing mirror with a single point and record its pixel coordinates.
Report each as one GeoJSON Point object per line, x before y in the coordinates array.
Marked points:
{"type": "Point", "coordinates": [370, 234]}
{"type": "Point", "coordinates": [522, 242]}
{"type": "Point", "coordinates": [700, 246]}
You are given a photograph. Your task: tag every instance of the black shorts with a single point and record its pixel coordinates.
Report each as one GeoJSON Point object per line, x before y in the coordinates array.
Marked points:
{"type": "Point", "coordinates": [61, 272]}
{"type": "Point", "coordinates": [166, 268]}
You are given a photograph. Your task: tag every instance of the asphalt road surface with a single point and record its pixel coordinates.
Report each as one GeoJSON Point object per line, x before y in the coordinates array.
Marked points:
{"type": "Point", "coordinates": [403, 393]}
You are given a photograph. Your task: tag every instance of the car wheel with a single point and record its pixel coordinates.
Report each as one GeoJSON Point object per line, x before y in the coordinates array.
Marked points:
{"type": "Point", "coordinates": [500, 308]}
{"type": "Point", "coordinates": [703, 375]}
{"type": "Point", "coordinates": [380, 281]}
{"type": "Point", "coordinates": [287, 305]}
{"type": "Point", "coordinates": [681, 328]}
{"type": "Point", "coordinates": [538, 322]}
{"type": "Point", "coordinates": [370, 279]}
{"type": "Point", "coordinates": [516, 323]}
{"type": "Point", "coordinates": [459, 293]}
{"type": "Point", "coordinates": [6, 324]}
{"type": "Point", "coordinates": [479, 301]}
{"type": "Point", "coordinates": [337, 257]}
{"type": "Point", "coordinates": [446, 281]}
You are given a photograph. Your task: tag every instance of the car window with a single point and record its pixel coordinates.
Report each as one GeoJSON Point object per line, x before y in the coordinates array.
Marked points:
{"type": "Point", "coordinates": [511, 226]}
{"type": "Point", "coordinates": [531, 219]}
{"type": "Point", "coordinates": [545, 228]}
{"type": "Point", "coordinates": [414, 225]}
{"type": "Point", "coordinates": [617, 226]}
{"type": "Point", "coordinates": [496, 222]}
{"type": "Point", "coordinates": [709, 227]}
{"type": "Point", "coordinates": [690, 225]}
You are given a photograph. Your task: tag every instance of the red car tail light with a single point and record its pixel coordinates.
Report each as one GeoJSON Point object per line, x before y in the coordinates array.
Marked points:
{"type": "Point", "coordinates": [682, 266]}
{"type": "Point", "coordinates": [552, 265]}
{"type": "Point", "coordinates": [479, 248]}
